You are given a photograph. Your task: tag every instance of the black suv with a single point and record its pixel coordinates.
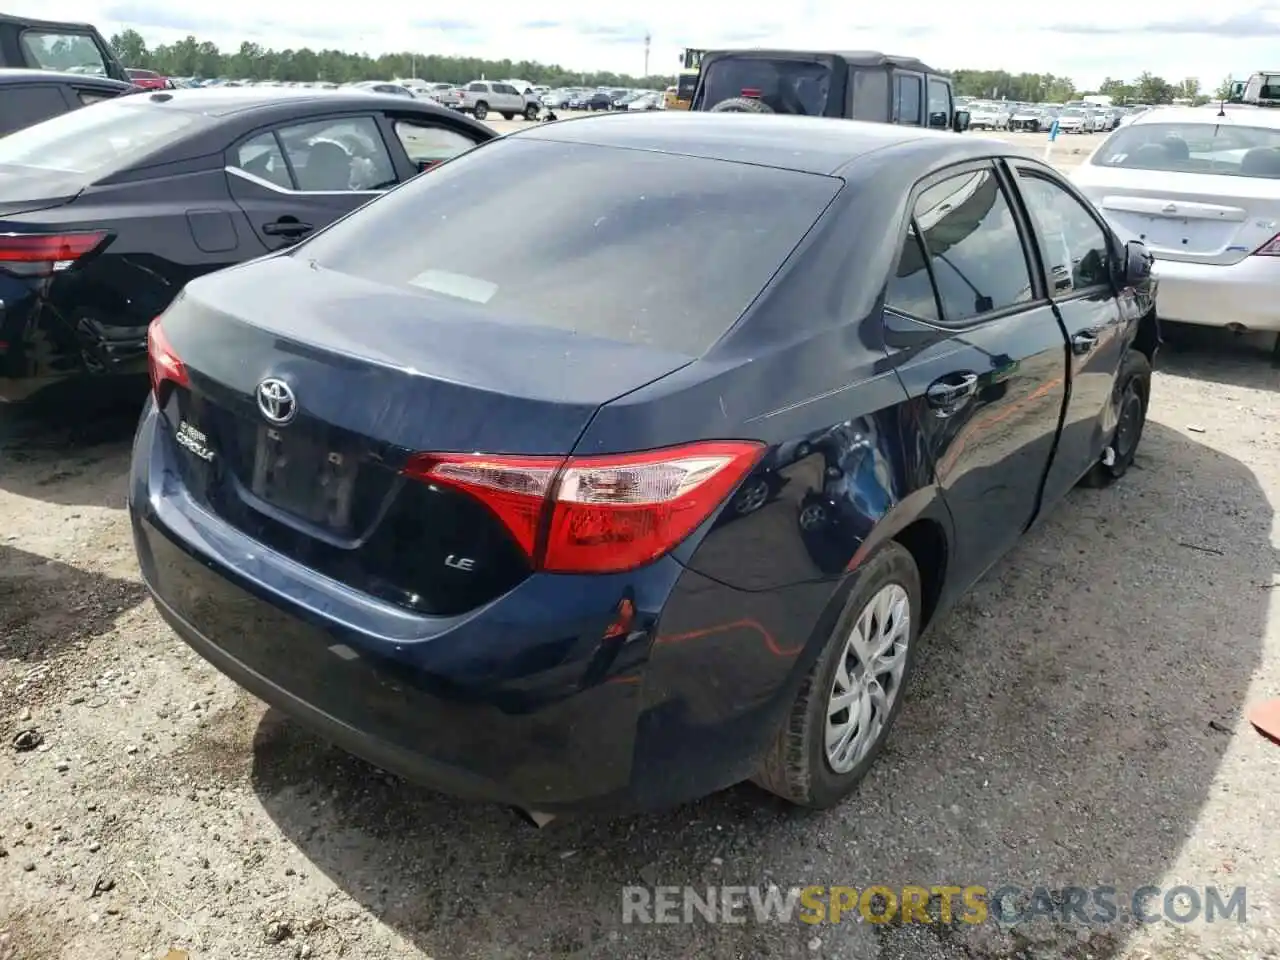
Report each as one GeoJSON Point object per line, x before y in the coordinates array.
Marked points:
{"type": "Point", "coordinates": [858, 86]}
{"type": "Point", "coordinates": [30, 96]}
{"type": "Point", "coordinates": [57, 45]}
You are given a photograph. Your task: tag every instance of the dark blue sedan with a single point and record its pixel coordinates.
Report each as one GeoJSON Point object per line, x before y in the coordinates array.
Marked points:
{"type": "Point", "coordinates": [640, 474]}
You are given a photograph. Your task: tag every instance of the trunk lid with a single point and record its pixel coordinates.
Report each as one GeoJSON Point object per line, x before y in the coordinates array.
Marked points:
{"type": "Point", "coordinates": [375, 374]}
{"type": "Point", "coordinates": [1199, 218]}
{"type": "Point", "coordinates": [27, 190]}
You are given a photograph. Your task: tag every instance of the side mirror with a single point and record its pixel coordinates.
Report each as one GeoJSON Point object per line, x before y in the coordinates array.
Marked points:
{"type": "Point", "coordinates": [1138, 264]}
{"type": "Point", "coordinates": [960, 121]}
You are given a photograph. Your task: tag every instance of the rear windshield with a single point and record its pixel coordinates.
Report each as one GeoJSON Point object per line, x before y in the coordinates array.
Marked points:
{"type": "Point", "coordinates": [96, 141]}
{"type": "Point", "coordinates": [785, 86]}
{"type": "Point", "coordinates": [1223, 149]}
{"type": "Point", "coordinates": [624, 245]}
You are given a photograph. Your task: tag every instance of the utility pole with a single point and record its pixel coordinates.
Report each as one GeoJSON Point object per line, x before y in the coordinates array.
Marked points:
{"type": "Point", "coordinates": [647, 39]}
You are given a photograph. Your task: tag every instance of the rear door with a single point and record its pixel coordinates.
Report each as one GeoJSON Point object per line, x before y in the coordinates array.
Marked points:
{"type": "Point", "coordinates": [982, 355]}
{"type": "Point", "coordinates": [293, 179]}
{"type": "Point", "coordinates": [1079, 262]}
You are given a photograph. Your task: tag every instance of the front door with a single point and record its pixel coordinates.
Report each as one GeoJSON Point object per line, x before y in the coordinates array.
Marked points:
{"type": "Point", "coordinates": [1079, 269]}
{"type": "Point", "coordinates": [293, 180]}
{"type": "Point", "coordinates": [981, 353]}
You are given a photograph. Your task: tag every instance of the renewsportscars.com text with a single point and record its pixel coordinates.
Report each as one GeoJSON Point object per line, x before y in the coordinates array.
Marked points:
{"type": "Point", "coordinates": [1006, 905]}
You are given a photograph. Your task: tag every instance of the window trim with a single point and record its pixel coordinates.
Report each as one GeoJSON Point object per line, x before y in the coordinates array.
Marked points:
{"type": "Point", "coordinates": [274, 129]}
{"type": "Point", "coordinates": [1030, 254]}
{"type": "Point", "coordinates": [1016, 166]}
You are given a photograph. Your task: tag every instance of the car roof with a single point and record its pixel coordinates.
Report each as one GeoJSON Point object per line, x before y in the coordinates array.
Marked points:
{"type": "Point", "coordinates": [63, 25]}
{"type": "Point", "coordinates": [818, 145]}
{"type": "Point", "coordinates": [856, 58]}
{"type": "Point", "coordinates": [223, 101]}
{"type": "Point", "coordinates": [1249, 116]}
{"type": "Point", "coordinates": [22, 74]}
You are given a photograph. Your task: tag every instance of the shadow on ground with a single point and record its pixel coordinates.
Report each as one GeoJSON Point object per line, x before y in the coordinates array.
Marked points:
{"type": "Point", "coordinates": [1219, 356]}
{"type": "Point", "coordinates": [46, 605]}
{"type": "Point", "coordinates": [71, 446]}
{"type": "Point", "coordinates": [1064, 727]}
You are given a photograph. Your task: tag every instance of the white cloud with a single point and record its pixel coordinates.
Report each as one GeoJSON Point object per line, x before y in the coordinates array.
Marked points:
{"type": "Point", "coordinates": [1176, 39]}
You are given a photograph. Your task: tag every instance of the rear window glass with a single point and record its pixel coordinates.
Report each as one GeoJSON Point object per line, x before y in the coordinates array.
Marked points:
{"type": "Point", "coordinates": [785, 86]}
{"type": "Point", "coordinates": [96, 141]}
{"type": "Point", "coordinates": [623, 245]}
{"type": "Point", "coordinates": [1223, 149]}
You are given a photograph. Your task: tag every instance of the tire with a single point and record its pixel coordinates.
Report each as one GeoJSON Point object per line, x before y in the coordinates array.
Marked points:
{"type": "Point", "coordinates": [481, 110]}
{"type": "Point", "coordinates": [531, 112]}
{"type": "Point", "coordinates": [1133, 391]}
{"type": "Point", "coordinates": [741, 105]}
{"type": "Point", "coordinates": [796, 766]}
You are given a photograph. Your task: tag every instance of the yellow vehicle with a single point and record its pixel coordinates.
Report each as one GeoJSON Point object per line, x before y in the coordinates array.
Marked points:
{"type": "Point", "coordinates": [681, 95]}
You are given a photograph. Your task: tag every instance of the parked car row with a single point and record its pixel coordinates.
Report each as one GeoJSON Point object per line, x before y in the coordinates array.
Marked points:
{"type": "Point", "coordinates": [1032, 118]}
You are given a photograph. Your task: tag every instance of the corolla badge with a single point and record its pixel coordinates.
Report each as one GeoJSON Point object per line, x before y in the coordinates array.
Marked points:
{"type": "Point", "coordinates": [276, 401]}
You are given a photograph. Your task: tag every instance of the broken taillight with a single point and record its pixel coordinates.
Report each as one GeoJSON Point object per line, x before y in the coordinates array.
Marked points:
{"type": "Point", "coordinates": [163, 362]}
{"type": "Point", "coordinates": [43, 254]}
{"type": "Point", "coordinates": [597, 514]}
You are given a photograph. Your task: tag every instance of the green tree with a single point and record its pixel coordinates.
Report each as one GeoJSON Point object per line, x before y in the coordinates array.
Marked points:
{"type": "Point", "coordinates": [1152, 89]}
{"type": "Point", "coordinates": [129, 48]}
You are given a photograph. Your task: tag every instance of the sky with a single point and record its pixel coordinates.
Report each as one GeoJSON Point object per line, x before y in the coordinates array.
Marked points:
{"type": "Point", "coordinates": [1173, 39]}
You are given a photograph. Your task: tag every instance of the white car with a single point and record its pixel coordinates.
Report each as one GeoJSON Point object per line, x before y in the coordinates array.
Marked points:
{"type": "Point", "coordinates": [1201, 189]}
{"type": "Point", "coordinates": [1073, 120]}
{"type": "Point", "coordinates": [483, 97]}
{"type": "Point", "coordinates": [987, 116]}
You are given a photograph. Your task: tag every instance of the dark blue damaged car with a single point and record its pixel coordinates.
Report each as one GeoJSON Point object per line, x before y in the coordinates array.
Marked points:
{"type": "Point", "coordinates": [640, 474]}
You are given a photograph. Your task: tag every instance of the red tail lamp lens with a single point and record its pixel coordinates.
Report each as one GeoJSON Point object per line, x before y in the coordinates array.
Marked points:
{"type": "Point", "coordinates": [602, 514]}
{"type": "Point", "coordinates": [163, 361]}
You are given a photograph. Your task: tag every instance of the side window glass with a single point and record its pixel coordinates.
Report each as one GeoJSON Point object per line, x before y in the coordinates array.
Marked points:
{"type": "Point", "coordinates": [88, 97]}
{"type": "Point", "coordinates": [261, 157]}
{"type": "Point", "coordinates": [477, 88]}
{"type": "Point", "coordinates": [1072, 244]}
{"type": "Point", "coordinates": [427, 145]}
{"type": "Point", "coordinates": [25, 106]}
{"type": "Point", "coordinates": [870, 94]}
{"type": "Point", "coordinates": [910, 289]}
{"type": "Point", "coordinates": [332, 155]}
{"type": "Point", "coordinates": [68, 52]}
{"type": "Point", "coordinates": [973, 246]}
{"type": "Point", "coordinates": [939, 103]}
{"type": "Point", "coordinates": [906, 100]}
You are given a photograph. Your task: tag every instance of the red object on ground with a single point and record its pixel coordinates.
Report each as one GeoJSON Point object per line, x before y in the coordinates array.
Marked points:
{"type": "Point", "coordinates": [1265, 717]}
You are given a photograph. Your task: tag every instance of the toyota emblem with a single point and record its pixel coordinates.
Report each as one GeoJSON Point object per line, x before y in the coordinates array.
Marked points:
{"type": "Point", "coordinates": [276, 401]}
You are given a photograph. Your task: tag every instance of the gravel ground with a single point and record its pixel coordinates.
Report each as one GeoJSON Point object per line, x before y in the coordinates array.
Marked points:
{"type": "Point", "coordinates": [1076, 721]}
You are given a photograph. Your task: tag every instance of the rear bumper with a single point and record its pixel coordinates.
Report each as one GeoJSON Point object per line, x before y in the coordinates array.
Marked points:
{"type": "Point", "coordinates": [1243, 293]}
{"type": "Point", "coordinates": [524, 701]}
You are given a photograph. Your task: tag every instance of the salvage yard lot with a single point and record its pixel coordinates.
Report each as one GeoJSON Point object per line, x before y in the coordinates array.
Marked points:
{"type": "Point", "coordinates": [1075, 721]}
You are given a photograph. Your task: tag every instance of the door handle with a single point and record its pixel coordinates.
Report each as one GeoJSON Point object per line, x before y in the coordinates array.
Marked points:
{"type": "Point", "coordinates": [286, 227]}
{"type": "Point", "coordinates": [949, 393]}
{"type": "Point", "coordinates": [1083, 342]}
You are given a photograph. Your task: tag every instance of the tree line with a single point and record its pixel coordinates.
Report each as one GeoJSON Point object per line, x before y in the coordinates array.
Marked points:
{"type": "Point", "coordinates": [194, 58]}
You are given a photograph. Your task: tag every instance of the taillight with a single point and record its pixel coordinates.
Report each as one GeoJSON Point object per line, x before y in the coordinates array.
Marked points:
{"type": "Point", "coordinates": [163, 362]}
{"type": "Point", "coordinates": [1269, 249]}
{"type": "Point", "coordinates": [600, 514]}
{"type": "Point", "coordinates": [752, 93]}
{"type": "Point", "coordinates": [42, 254]}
